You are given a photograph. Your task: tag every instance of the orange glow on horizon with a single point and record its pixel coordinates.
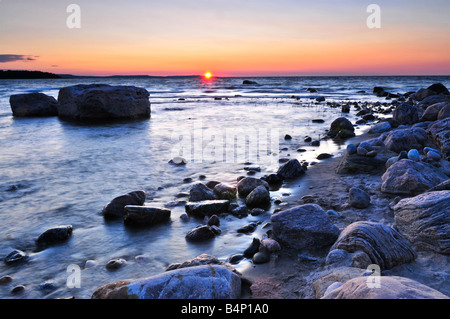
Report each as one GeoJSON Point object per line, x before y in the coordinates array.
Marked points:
{"type": "Point", "coordinates": [208, 75]}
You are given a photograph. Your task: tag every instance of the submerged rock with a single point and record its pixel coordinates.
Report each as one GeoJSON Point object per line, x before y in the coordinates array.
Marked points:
{"type": "Point", "coordinates": [390, 287]}
{"type": "Point", "coordinates": [200, 233]}
{"type": "Point", "coordinates": [102, 101]}
{"type": "Point", "coordinates": [33, 104]}
{"type": "Point", "coordinates": [303, 227]}
{"type": "Point", "coordinates": [424, 220]}
{"type": "Point", "coordinates": [199, 282]}
{"type": "Point", "coordinates": [379, 244]}
{"type": "Point", "coordinates": [55, 235]}
{"type": "Point", "coordinates": [15, 257]}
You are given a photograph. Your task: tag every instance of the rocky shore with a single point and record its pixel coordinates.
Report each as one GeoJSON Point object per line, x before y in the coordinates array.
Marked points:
{"type": "Point", "coordinates": [373, 222]}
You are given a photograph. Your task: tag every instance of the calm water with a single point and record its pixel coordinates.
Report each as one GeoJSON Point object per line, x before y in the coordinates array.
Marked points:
{"type": "Point", "coordinates": [54, 172]}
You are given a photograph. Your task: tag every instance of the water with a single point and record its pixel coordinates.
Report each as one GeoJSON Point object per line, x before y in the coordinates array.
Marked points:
{"type": "Point", "coordinates": [54, 172]}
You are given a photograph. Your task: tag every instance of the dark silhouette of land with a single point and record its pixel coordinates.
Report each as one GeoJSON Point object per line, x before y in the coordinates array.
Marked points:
{"type": "Point", "coordinates": [22, 74]}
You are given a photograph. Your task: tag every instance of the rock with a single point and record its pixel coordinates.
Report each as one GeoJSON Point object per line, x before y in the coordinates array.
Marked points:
{"type": "Point", "coordinates": [249, 82]}
{"type": "Point", "coordinates": [200, 192]}
{"type": "Point", "coordinates": [320, 99]}
{"type": "Point", "coordinates": [323, 156]}
{"type": "Point", "coordinates": [213, 221]}
{"type": "Point", "coordinates": [5, 280]}
{"type": "Point", "coordinates": [424, 220]}
{"type": "Point", "coordinates": [439, 133]}
{"type": "Point", "coordinates": [406, 139]}
{"type": "Point", "coordinates": [200, 233]}
{"type": "Point", "coordinates": [200, 260]}
{"type": "Point", "coordinates": [248, 228]}
{"type": "Point", "coordinates": [102, 101]}
{"type": "Point", "coordinates": [383, 245]}
{"type": "Point", "coordinates": [341, 127]}
{"type": "Point", "coordinates": [273, 179]}
{"type": "Point", "coordinates": [253, 248]}
{"type": "Point", "coordinates": [414, 155]}
{"type": "Point", "coordinates": [178, 161]}
{"type": "Point", "coordinates": [116, 207]}
{"type": "Point", "coordinates": [235, 259]}
{"type": "Point", "coordinates": [406, 177]}
{"type": "Point", "coordinates": [302, 227]}
{"type": "Point", "coordinates": [33, 104]}
{"type": "Point", "coordinates": [379, 91]}
{"type": "Point", "coordinates": [207, 207]}
{"type": "Point", "coordinates": [55, 235]}
{"type": "Point", "coordinates": [391, 287]}
{"type": "Point", "coordinates": [359, 198]}
{"type": "Point", "coordinates": [271, 245]}
{"type": "Point", "coordinates": [333, 277]}
{"type": "Point", "coordinates": [423, 93]}
{"type": "Point", "coordinates": [444, 112]}
{"type": "Point", "coordinates": [248, 184]}
{"type": "Point", "coordinates": [406, 114]}
{"type": "Point", "coordinates": [356, 163]}
{"type": "Point", "coordinates": [439, 88]}
{"type": "Point", "coordinates": [240, 211]}
{"type": "Point", "coordinates": [351, 149]}
{"type": "Point", "coordinates": [15, 257]}
{"type": "Point", "coordinates": [444, 186]}
{"type": "Point", "coordinates": [361, 151]}
{"type": "Point", "coordinates": [48, 286]}
{"type": "Point", "coordinates": [380, 128]}
{"type": "Point", "coordinates": [259, 197]}
{"type": "Point", "coordinates": [198, 282]}
{"type": "Point", "coordinates": [287, 137]}
{"type": "Point", "coordinates": [430, 100]}
{"type": "Point", "coordinates": [291, 169]}
{"type": "Point", "coordinates": [145, 215]}
{"type": "Point", "coordinates": [261, 257]}
{"type": "Point", "coordinates": [115, 264]}
{"type": "Point", "coordinates": [225, 191]}
{"type": "Point", "coordinates": [432, 112]}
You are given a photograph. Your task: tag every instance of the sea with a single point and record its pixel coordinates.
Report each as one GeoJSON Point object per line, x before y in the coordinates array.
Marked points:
{"type": "Point", "coordinates": [57, 172]}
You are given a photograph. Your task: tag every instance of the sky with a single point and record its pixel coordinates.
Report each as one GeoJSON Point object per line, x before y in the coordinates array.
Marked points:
{"type": "Point", "coordinates": [227, 38]}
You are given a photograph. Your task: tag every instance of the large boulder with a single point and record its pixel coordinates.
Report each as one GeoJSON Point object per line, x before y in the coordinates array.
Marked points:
{"type": "Point", "coordinates": [354, 163]}
{"type": "Point", "coordinates": [304, 227]}
{"type": "Point", "coordinates": [439, 133]}
{"type": "Point", "coordinates": [406, 177]}
{"type": "Point", "coordinates": [33, 104]}
{"type": "Point", "coordinates": [425, 220]}
{"type": "Point", "coordinates": [444, 112]}
{"type": "Point", "coordinates": [116, 207]}
{"type": "Point", "coordinates": [381, 245]}
{"type": "Point", "coordinates": [102, 101]}
{"type": "Point", "coordinates": [406, 113]}
{"type": "Point", "coordinates": [199, 282]}
{"type": "Point", "coordinates": [259, 197]}
{"type": "Point", "coordinates": [341, 127]}
{"type": "Point", "coordinates": [406, 139]}
{"type": "Point", "coordinates": [383, 287]}
{"type": "Point", "coordinates": [431, 113]}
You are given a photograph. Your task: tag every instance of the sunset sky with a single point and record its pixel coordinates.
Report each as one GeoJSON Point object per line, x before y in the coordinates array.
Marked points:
{"type": "Point", "coordinates": [228, 38]}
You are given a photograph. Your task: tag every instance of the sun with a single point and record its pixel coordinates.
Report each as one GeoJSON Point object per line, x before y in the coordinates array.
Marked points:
{"type": "Point", "coordinates": [207, 75]}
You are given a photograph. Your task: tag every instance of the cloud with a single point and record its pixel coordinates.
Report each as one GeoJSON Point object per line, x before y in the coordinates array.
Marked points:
{"type": "Point", "coordinates": [5, 58]}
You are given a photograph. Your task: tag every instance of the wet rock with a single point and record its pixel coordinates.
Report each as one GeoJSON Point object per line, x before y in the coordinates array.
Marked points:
{"type": "Point", "coordinates": [406, 114]}
{"type": "Point", "coordinates": [424, 220]}
{"type": "Point", "coordinates": [33, 104]}
{"type": "Point", "coordinates": [273, 179]}
{"type": "Point", "coordinates": [200, 260]}
{"type": "Point", "coordinates": [379, 91]}
{"type": "Point", "coordinates": [323, 156]}
{"type": "Point", "coordinates": [200, 233]}
{"type": "Point", "coordinates": [382, 245]}
{"type": "Point", "coordinates": [432, 112]}
{"type": "Point", "coordinates": [101, 101]}
{"type": "Point", "coordinates": [444, 112]}
{"type": "Point", "coordinates": [248, 228]}
{"type": "Point", "coordinates": [5, 280]}
{"type": "Point", "coordinates": [240, 211]}
{"type": "Point", "coordinates": [380, 128]}
{"type": "Point", "coordinates": [178, 161]}
{"type": "Point", "coordinates": [213, 221]}
{"type": "Point", "coordinates": [115, 264]}
{"type": "Point", "coordinates": [225, 191]}
{"type": "Point", "coordinates": [55, 235]}
{"type": "Point", "coordinates": [116, 207]}
{"type": "Point", "coordinates": [207, 207]}
{"type": "Point", "coordinates": [406, 177]}
{"type": "Point", "coordinates": [198, 282]}
{"type": "Point", "coordinates": [391, 287]}
{"type": "Point", "coordinates": [271, 245]}
{"type": "Point", "coordinates": [200, 192]}
{"type": "Point", "coordinates": [357, 163]}
{"type": "Point", "coordinates": [253, 248]}
{"type": "Point", "coordinates": [414, 155]}
{"type": "Point", "coordinates": [246, 185]}
{"type": "Point", "coordinates": [341, 127]}
{"type": "Point", "coordinates": [258, 198]}
{"type": "Point", "coordinates": [304, 227]}
{"type": "Point", "coordinates": [358, 198]}
{"type": "Point", "coordinates": [15, 257]}
{"type": "Point", "coordinates": [262, 256]}
{"type": "Point", "coordinates": [235, 259]}
{"type": "Point", "coordinates": [145, 215]}
{"type": "Point", "coordinates": [351, 149]}
{"type": "Point", "coordinates": [439, 88]}
{"type": "Point", "coordinates": [249, 82]}
{"type": "Point", "coordinates": [291, 169]}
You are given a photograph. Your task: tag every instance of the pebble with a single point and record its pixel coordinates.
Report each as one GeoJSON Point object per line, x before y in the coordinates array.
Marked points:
{"type": "Point", "coordinates": [413, 155]}
{"type": "Point", "coordinates": [115, 263]}
{"type": "Point", "coordinates": [434, 155]}
{"type": "Point", "coordinates": [18, 289]}
{"type": "Point", "coordinates": [5, 280]}
{"type": "Point", "coordinates": [351, 149]}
